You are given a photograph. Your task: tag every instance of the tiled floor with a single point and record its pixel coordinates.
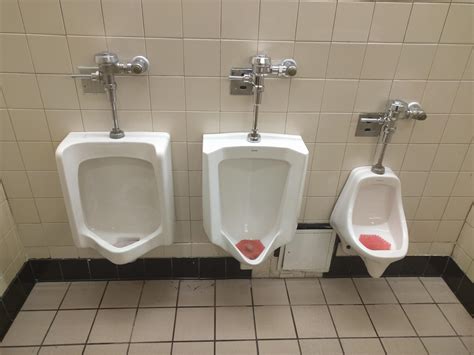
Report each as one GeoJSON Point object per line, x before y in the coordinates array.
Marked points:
{"type": "Point", "coordinates": [246, 317]}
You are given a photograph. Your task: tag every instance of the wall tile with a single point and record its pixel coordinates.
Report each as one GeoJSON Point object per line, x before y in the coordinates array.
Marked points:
{"type": "Point", "coordinates": [380, 61]}
{"type": "Point", "coordinates": [315, 20]}
{"type": "Point", "coordinates": [123, 17]}
{"type": "Point", "coordinates": [458, 26]}
{"type": "Point", "coordinates": [166, 56]}
{"type": "Point", "coordinates": [439, 96]}
{"type": "Point", "coordinates": [38, 155]}
{"type": "Point", "coordinates": [162, 18]}
{"type": "Point", "coordinates": [408, 68]}
{"type": "Point", "coordinates": [278, 19]}
{"type": "Point", "coordinates": [15, 54]}
{"type": "Point", "coordinates": [173, 123]}
{"type": "Point", "coordinates": [131, 95]}
{"type": "Point", "coordinates": [247, 11]}
{"type": "Point", "coordinates": [305, 95]}
{"type": "Point", "coordinates": [83, 48]}
{"type": "Point", "coordinates": [458, 129]}
{"type": "Point", "coordinates": [440, 183]}
{"type": "Point", "coordinates": [30, 125]}
{"type": "Point", "coordinates": [372, 95]}
{"type": "Point", "coordinates": [45, 183]}
{"type": "Point", "coordinates": [389, 21]}
{"type": "Point", "coordinates": [345, 60]}
{"type": "Point", "coordinates": [312, 59]}
{"type": "Point", "coordinates": [42, 17]}
{"type": "Point", "coordinates": [11, 20]}
{"type": "Point", "coordinates": [21, 91]}
{"type": "Point", "coordinates": [167, 93]}
{"type": "Point", "coordinates": [201, 19]}
{"type": "Point", "coordinates": [61, 122]}
{"type": "Point", "coordinates": [352, 21]}
{"type": "Point", "coordinates": [339, 95]}
{"type": "Point", "coordinates": [24, 210]}
{"type": "Point", "coordinates": [16, 184]}
{"type": "Point", "coordinates": [276, 99]}
{"type": "Point", "coordinates": [58, 92]}
{"type": "Point", "coordinates": [235, 121]}
{"type": "Point", "coordinates": [51, 210]}
{"type": "Point", "coordinates": [449, 62]}
{"type": "Point", "coordinates": [202, 94]}
{"type": "Point", "coordinates": [83, 17]}
{"type": "Point", "coordinates": [463, 101]}
{"type": "Point", "coordinates": [419, 157]}
{"type": "Point", "coordinates": [201, 57]}
{"type": "Point", "coordinates": [430, 132]}
{"type": "Point", "coordinates": [126, 47]}
{"type": "Point", "coordinates": [449, 157]}
{"type": "Point", "coordinates": [11, 157]}
{"type": "Point", "coordinates": [199, 123]}
{"type": "Point", "coordinates": [426, 22]}
{"type": "Point", "coordinates": [50, 54]}
{"type": "Point", "coordinates": [304, 124]}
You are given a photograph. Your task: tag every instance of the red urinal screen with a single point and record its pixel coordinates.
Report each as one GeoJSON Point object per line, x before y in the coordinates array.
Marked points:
{"type": "Point", "coordinates": [374, 242]}
{"type": "Point", "coordinates": [250, 248]}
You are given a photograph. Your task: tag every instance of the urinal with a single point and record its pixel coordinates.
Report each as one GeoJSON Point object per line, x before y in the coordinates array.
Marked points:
{"type": "Point", "coordinates": [118, 192]}
{"type": "Point", "coordinates": [369, 218]}
{"type": "Point", "coordinates": [252, 192]}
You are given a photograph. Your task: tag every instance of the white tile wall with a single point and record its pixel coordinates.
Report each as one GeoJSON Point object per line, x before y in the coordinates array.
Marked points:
{"type": "Point", "coordinates": [463, 252]}
{"type": "Point", "coordinates": [352, 56]}
{"type": "Point", "coordinates": [12, 255]}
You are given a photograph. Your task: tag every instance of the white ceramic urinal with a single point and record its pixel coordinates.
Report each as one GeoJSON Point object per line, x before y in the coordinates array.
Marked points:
{"type": "Point", "coordinates": [252, 192]}
{"type": "Point", "coordinates": [118, 192]}
{"type": "Point", "coordinates": [369, 218]}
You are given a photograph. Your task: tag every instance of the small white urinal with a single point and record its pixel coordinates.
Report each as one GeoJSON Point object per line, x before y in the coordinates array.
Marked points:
{"type": "Point", "coordinates": [118, 192]}
{"type": "Point", "coordinates": [252, 192]}
{"type": "Point", "coordinates": [369, 218]}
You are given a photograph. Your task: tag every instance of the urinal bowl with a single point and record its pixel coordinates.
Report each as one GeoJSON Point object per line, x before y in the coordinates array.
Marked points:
{"type": "Point", "coordinates": [252, 191]}
{"type": "Point", "coordinates": [118, 193]}
{"type": "Point", "coordinates": [371, 204]}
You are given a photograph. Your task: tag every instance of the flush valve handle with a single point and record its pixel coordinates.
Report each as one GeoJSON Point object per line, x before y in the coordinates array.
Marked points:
{"type": "Point", "coordinates": [139, 65]}
{"type": "Point", "coordinates": [290, 67]}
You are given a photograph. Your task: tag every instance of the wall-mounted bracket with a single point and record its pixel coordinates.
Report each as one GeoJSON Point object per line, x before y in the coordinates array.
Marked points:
{"type": "Point", "coordinates": [239, 84]}
{"type": "Point", "coordinates": [369, 124]}
{"type": "Point", "coordinates": [90, 86]}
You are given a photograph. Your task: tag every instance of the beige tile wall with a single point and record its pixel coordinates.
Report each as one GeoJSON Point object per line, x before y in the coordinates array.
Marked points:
{"type": "Point", "coordinates": [12, 255]}
{"type": "Point", "coordinates": [463, 252]}
{"type": "Point", "coordinates": [352, 55]}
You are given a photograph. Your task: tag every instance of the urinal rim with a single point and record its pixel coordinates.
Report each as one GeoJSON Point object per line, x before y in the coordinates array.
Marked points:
{"type": "Point", "coordinates": [356, 245]}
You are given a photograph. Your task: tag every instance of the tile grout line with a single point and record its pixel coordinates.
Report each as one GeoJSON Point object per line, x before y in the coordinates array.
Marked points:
{"type": "Point", "coordinates": [292, 315]}
{"type": "Point", "coordinates": [175, 316]}
{"type": "Point", "coordinates": [254, 318]}
{"type": "Point", "coordinates": [330, 313]}
{"type": "Point", "coordinates": [95, 317]}
{"type": "Point", "coordinates": [136, 315]}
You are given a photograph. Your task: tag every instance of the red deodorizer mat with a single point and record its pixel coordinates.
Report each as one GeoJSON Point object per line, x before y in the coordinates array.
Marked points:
{"type": "Point", "coordinates": [374, 242]}
{"type": "Point", "coordinates": [250, 248]}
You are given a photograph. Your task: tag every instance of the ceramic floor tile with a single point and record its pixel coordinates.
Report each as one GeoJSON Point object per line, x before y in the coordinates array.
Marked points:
{"type": "Point", "coordinates": [445, 346]}
{"type": "Point", "coordinates": [236, 348]}
{"type": "Point", "coordinates": [374, 291]}
{"type": "Point", "coordinates": [460, 320]}
{"type": "Point", "coordinates": [274, 322]}
{"type": "Point", "coordinates": [201, 348]}
{"type": "Point", "coordinates": [196, 293]}
{"type": "Point", "coordinates": [122, 294]}
{"type": "Point", "coordinates": [352, 321]}
{"type": "Point", "coordinates": [390, 321]}
{"type": "Point", "coordinates": [439, 291]}
{"type": "Point", "coordinates": [305, 291]}
{"type": "Point", "coordinates": [278, 347]}
{"type": "Point", "coordinates": [362, 346]}
{"type": "Point", "coordinates": [106, 349]}
{"type": "Point", "coordinates": [428, 320]}
{"type": "Point", "coordinates": [233, 293]}
{"type": "Point", "coordinates": [46, 295]}
{"type": "Point", "coordinates": [194, 324]}
{"type": "Point", "coordinates": [150, 348]}
{"type": "Point", "coordinates": [340, 291]}
{"type": "Point", "coordinates": [62, 350]}
{"type": "Point", "coordinates": [159, 293]}
{"type": "Point", "coordinates": [84, 295]}
{"type": "Point", "coordinates": [112, 326]}
{"type": "Point", "coordinates": [320, 347]}
{"type": "Point", "coordinates": [313, 322]}
{"type": "Point", "coordinates": [29, 328]}
{"type": "Point", "coordinates": [408, 346]}
{"type": "Point", "coordinates": [234, 323]}
{"type": "Point", "coordinates": [155, 324]}
{"type": "Point", "coordinates": [409, 290]}
{"type": "Point", "coordinates": [269, 292]}
{"type": "Point", "coordinates": [19, 351]}
{"type": "Point", "coordinates": [70, 327]}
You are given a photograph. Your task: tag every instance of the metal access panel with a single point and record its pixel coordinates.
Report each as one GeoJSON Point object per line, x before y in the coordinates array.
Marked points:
{"type": "Point", "coordinates": [240, 87]}
{"type": "Point", "coordinates": [90, 86]}
{"type": "Point", "coordinates": [368, 126]}
{"type": "Point", "coordinates": [310, 250]}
